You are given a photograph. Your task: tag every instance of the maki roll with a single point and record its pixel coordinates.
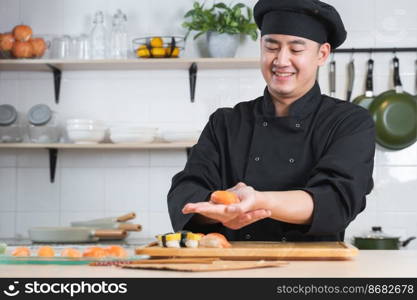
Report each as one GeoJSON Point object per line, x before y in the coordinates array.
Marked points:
{"type": "Point", "coordinates": [169, 240]}
{"type": "Point", "coordinates": [193, 239]}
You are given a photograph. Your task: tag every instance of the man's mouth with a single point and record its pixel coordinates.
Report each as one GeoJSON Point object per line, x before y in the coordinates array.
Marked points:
{"type": "Point", "coordinates": [282, 74]}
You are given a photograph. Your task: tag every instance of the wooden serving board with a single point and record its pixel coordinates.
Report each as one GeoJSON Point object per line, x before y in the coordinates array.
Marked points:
{"type": "Point", "coordinates": [216, 265]}
{"type": "Point", "coordinates": [261, 250]}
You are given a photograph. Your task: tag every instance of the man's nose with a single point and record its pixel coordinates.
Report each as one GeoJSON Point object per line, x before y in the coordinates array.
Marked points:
{"type": "Point", "coordinates": [282, 58]}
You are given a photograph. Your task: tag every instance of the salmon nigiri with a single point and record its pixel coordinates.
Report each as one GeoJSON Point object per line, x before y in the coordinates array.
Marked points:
{"type": "Point", "coordinates": [214, 240]}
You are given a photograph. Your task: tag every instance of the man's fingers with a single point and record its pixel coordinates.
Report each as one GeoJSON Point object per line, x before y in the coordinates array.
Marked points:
{"type": "Point", "coordinates": [248, 218]}
{"type": "Point", "coordinates": [237, 186]}
{"type": "Point", "coordinates": [255, 215]}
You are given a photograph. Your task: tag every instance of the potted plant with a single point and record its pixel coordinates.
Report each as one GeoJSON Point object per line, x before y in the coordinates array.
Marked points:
{"type": "Point", "coordinates": [223, 25]}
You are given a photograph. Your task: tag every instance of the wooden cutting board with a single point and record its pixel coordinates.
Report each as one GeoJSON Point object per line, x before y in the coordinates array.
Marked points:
{"type": "Point", "coordinates": [261, 250]}
{"type": "Point", "coordinates": [216, 265]}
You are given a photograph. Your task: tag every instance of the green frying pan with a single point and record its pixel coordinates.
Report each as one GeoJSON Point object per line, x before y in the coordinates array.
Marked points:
{"type": "Point", "coordinates": [395, 115]}
{"type": "Point", "coordinates": [366, 99]}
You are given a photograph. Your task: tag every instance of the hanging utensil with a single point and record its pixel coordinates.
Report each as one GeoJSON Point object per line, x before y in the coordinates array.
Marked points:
{"type": "Point", "coordinates": [395, 115]}
{"type": "Point", "coordinates": [351, 79]}
{"type": "Point", "coordinates": [366, 99]}
{"type": "Point", "coordinates": [332, 77]}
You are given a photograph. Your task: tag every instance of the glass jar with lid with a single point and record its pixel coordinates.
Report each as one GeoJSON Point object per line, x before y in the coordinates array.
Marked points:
{"type": "Point", "coordinates": [10, 128]}
{"type": "Point", "coordinates": [43, 127]}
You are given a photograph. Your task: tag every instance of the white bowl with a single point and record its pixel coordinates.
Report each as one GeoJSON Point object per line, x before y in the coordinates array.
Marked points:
{"type": "Point", "coordinates": [180, 135]}
{"type": "Point", "coordinates": [84, 122]}
{"type": "Point", "coordinates": [133, 129]}
{"type": "Point", "coordinates": [82, 136]}
{"type": "Point", "coordinates": [131, 138]}
{"type": "Point", "coordinates": [86, 127]}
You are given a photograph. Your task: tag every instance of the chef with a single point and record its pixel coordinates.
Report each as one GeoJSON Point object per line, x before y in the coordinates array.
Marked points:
{"type": "Point", "coordinates": [301, 162]}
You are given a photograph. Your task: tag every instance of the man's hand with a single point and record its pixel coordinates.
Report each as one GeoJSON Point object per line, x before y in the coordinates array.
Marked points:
{"type": "Point", "coordinates": [234, 216]}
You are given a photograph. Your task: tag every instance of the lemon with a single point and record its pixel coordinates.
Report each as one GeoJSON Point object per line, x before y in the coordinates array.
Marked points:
{"type": "Point", "coordinates": [156, 42]}
{"type": "Point", "coordinates": [175, 52]}
{"type": "Point", "coordinates": [143, 51]}
{"type": "Point", "coordinates": [158, 52]}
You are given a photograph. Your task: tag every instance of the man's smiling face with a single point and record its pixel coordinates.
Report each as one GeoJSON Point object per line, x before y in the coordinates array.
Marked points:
{"type": "Point", "coordinates": [289, 64]}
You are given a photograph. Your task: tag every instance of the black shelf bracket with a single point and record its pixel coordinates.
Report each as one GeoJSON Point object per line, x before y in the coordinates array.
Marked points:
{"type": "Point", "coordinates": [53, 157]}
{"type": "Point", "coordinates": [192, 71]}
{"type": "Point", "coordinates": [57, 81]}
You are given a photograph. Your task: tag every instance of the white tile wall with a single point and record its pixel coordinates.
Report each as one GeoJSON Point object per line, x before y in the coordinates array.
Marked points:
{"type": "Point", "coordinates": [92, 184]}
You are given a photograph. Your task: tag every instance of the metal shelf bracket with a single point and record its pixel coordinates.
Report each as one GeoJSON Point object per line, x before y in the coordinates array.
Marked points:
{"type": "Point", "coordinates": [57, 81]}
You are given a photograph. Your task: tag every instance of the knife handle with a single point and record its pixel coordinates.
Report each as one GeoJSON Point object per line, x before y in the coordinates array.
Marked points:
{"type": "Point", "coordinates": [130, 227]}
{"type": "Point", "coordinates": [110, 233]}
{"type": "Point", "coordinates": [126, 217]}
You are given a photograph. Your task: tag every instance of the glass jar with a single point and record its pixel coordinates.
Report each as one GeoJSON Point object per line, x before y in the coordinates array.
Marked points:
{"type": "Point", "coordinates": [118, 37]}
{"type": "Point", "coordinates": [99, 38]}
{"type": "Point", "coordinates": [42, 127]}
{"type": "Point", "coordinates": [10, 128]}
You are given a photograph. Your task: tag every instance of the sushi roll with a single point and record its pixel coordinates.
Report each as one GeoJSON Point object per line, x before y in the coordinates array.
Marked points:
{"type": "Point", "coordinates": [214, 240]}
{"type": "Point", "coordinates": [193, 239]}
{"type": "Point", "coordinates": [183, 240]}
{"type": "Point", "coordinates": [169, 240]}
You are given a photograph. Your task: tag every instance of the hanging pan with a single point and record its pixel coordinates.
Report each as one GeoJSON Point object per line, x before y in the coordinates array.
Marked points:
{"type": "Point", "coordinates": [395, 115]}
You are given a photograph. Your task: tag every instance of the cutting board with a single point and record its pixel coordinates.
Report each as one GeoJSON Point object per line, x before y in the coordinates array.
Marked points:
{"type": "Point", "coordinates": [216, 265]}
{"type": "Point", "coordinates": [36, 260]}
{"type": "Point", "coordinates": [261, 250]}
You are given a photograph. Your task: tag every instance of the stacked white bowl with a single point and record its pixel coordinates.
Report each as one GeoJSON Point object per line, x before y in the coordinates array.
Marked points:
{"type": "Point", "coordinates": [180, 135]}
{"type": "Point", "coordinates": [84, 131]}
{"type": "Point", "coordinates": [132, 133]}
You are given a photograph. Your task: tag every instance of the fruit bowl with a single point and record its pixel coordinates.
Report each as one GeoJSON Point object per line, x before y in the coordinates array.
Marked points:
{"type": "Point", "coordinates": [158, 46]}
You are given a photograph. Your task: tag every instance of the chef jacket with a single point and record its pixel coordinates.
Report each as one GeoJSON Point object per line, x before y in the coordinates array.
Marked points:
{"type": "Point", "coordinates": [324, 147]}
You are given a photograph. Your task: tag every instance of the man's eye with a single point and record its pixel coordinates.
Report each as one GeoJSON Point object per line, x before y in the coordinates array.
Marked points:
{"type": "Point", "coordinates": [271, 48]}
{"type": "Point", "coordinates": [297, 51]}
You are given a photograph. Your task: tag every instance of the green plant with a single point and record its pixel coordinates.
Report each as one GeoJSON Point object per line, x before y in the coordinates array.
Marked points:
{"type": "Point", "coordinates": [221, 18]}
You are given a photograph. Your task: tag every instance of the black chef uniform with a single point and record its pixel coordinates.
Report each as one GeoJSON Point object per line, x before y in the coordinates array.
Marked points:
{"type": "Point", "coordinates": [324, 146]}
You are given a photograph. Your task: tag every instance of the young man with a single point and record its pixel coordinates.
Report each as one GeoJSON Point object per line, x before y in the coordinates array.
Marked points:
{"type": "Point", "coordinates": [300, 162]}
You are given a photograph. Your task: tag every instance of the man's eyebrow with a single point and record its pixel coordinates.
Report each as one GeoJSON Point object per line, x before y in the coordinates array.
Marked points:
{"type": "Point", "coordinates": [293, 42]}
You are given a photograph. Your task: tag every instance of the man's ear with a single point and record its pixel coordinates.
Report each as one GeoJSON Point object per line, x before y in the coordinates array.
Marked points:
{"type": "Point", "coordinates": [324, 52]}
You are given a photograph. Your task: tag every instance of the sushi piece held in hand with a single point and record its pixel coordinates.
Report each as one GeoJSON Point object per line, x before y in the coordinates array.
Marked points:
{"type": "Point", "coordinates": [214, 240]}
{"type": "Point", "coordinates": [224, 197]}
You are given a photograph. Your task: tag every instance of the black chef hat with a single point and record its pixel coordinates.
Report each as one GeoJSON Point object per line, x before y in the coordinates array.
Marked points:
{"type": "Point", "coordinates": [310, 19]}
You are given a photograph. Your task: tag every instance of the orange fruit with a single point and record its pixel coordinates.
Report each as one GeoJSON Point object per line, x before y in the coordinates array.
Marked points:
{"type": "Point", "coordinates": [157, 42]}
{"type": "Point", "coordinates": [21, 251]}
{"type": "Point", "coordinates": [116, 251]}
{"type": "Point", "coordinates": [224, 197]}
{"type": "Point", "coordinates": [71, 252]}
{"type": "Point", "coordinates": [46, 251]}
{"type": "Point", "coordinates": [95, 252]}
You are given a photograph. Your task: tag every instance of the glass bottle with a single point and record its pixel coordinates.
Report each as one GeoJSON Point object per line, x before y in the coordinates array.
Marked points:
{"type": "Point", "coordinates": [99, 38]}
{"type": "Point", "coordinates": [118, 41]}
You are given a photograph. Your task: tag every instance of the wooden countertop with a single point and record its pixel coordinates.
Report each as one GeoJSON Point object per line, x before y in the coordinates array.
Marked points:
{"type": "Point", "coordinates": [368, 263]}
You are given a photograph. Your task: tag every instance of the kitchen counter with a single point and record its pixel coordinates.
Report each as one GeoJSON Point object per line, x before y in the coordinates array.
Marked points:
{"type": "Point", "coordinates": [368, 263]}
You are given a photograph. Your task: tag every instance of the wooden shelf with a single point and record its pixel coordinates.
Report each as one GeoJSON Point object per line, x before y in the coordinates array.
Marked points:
{"type": "Point", "coordinates": [57, 66]}
{"type": "Point", "coordinates": [127, 64]}
{"type": "Point", "coordinates": [54, 148]}
{"type": "Point", "coordinates": [182, 145]}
